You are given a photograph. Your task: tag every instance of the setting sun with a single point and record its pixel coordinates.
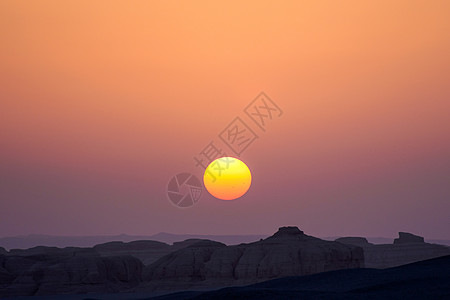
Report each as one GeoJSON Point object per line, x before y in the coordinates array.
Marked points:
{"type": "Point", "coordinates": [227, 178]}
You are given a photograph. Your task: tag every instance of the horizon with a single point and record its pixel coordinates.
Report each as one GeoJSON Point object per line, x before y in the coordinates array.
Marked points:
{"type": "Point", "coordinates": [61, 242]}
{"type": "Point", "coordinates": [212, 234]}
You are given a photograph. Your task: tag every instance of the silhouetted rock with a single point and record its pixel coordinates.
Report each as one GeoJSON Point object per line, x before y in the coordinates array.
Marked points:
{"type": "Point", "coordinates": [147, 251]}
{"type": "Point", "coordinates": [92, 274]}
{"type": "Point", "coordinates": [288, 232]}
{"type": "Point", "coordinates": [62, 271]}
{"type": "Point", "coordinates": [288, 252]}
{"type": "Point", "coordinates": [186, 243]}
{"type": "Point", "coordinates": [33, 240]}
{"type": "Point", "coordinates": [130, 246]}
{"type": "Point", "coordinates": [357, 241]}
{"type": "Point", "coordinates": [194, 263]}
{"type": "Point", "coordinates": [5, 276]}
{"type": "Point", "coordinates": [226, 239]}
{"type": "Point", "coordinates": [408, 248]}
{"type": "Point", "coordinates": [406, 238]}
{"type": "Point", "coordinates": [185, 264]}
{"type": "Point", "coordinates": [112, 266]}
{"type": "Point", "coordinates": [52, 252]}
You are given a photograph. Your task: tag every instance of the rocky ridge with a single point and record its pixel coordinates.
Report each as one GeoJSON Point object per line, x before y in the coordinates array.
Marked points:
{"type": "Point", "coordinates": [407, 248]}
{"type": "Point", "coordinates": [289, 252]}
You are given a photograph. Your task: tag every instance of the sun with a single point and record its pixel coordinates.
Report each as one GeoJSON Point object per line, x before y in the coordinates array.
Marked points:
{"type": "Point", "coordinates": [227, 178]}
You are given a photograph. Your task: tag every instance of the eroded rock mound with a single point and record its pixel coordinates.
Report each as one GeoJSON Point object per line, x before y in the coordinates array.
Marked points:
{"type": "Point", "coordinates": [288, 252]}
{"type": "Point", "coordinates": [408, 238]}
{"type": "Point", "coordinates": [147, 251]}
{"type": "Point", "coordinates": [408, 248]}
{"type": "Point", "coordinates": [65, 271]}
{"type": "Point", "coordinates": [357, 241]}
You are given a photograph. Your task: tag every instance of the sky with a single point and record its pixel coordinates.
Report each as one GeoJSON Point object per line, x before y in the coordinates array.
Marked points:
{"type": "Point", "coordinates": [103, 102]}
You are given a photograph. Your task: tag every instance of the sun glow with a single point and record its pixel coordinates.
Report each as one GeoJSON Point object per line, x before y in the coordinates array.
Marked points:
{"type": "Point", "coordinates": [227, 178]}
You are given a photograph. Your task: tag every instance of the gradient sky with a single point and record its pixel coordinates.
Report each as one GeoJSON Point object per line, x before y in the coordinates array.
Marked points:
{"type": "Point", "coordinates": [102, 102]}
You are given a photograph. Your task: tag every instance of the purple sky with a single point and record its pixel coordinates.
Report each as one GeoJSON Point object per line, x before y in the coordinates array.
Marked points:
{"type": "Point", "coordinates": [101, 106]}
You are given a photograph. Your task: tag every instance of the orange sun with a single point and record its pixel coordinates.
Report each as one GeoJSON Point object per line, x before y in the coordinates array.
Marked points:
{"type": "Point", "coordinates": [227, 178]}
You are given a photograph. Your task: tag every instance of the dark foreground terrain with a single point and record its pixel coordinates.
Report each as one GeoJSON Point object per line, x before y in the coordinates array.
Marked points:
{"type": "Point", "coordinates": [428, 279]}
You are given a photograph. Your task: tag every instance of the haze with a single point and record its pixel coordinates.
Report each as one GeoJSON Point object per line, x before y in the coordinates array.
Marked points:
{"type": "Point", "coordinates": [102, 102]}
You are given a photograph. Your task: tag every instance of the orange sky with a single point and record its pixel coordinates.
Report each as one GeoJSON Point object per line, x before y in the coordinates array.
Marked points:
{"type": "Point", "coordinates": [103, 101]}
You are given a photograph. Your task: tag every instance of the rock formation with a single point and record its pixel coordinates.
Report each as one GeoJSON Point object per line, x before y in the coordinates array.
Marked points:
{"type": "Point", "coordinates": [288, 252]}
{"type": "Point", "coordinates": [408, 238]}
{"type": "Point", "coordinates": [146, 251]}
{"type": "Point", "coordinates": [408, 248]}
{"type": "Point", "coordinates": [50, 271]}
{"type": "Point", "coordinates": [148, 265]}
{"type": "Point", "coordinates": [356, 241]}
{"type": "Point", "coordinates": [118, 266]}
